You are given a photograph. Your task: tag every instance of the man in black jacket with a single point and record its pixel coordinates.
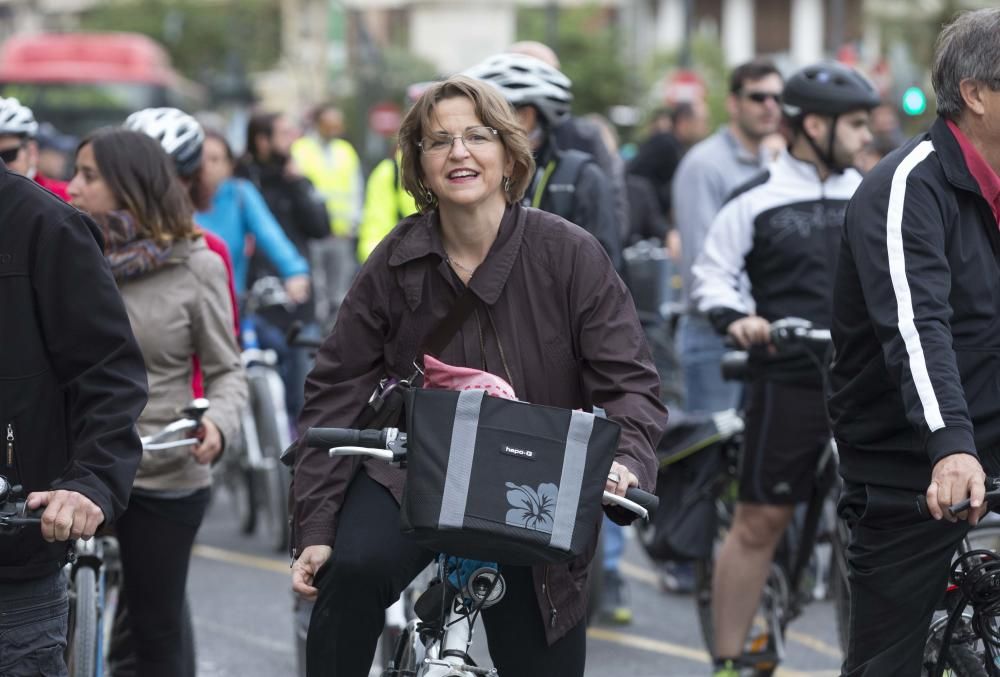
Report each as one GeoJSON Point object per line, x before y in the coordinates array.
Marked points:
{"type": "Point", "coordinates": [568, 183]}
{"type": "Point", "coordinates": [916, 401]}
{"type": "Point", "coordinates": [300, 211]}
{"type": "Point", "coordinates": [72, 384]}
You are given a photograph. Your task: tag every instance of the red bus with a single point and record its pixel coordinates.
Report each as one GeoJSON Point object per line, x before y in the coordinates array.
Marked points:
{"type": "Point", "coordinates": [82, 81]}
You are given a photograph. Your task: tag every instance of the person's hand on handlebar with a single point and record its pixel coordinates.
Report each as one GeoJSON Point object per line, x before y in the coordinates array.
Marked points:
{"type": "Point", "coordinates": [297, 288]}
{"type": "Point", "coordinates": [749, 331]}
{"type": "Point", "coordinates": [68, 514]}
{"type": "Point", "coordinates": [211, 442]}
{"type": "Point", "coordinates": [954, 479]}
{"type": "Point", "coordinates": [305, 568]}
{"type": "Point", "coordinates": [620, 479]}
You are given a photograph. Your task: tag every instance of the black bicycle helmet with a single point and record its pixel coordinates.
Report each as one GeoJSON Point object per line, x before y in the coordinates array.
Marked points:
{"type": "Point", "coordinates": [828, 88]}
{"type": "Point", "coordinates": [179, 134]}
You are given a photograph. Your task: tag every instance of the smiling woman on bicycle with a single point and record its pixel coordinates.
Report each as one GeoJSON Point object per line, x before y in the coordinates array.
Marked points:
{"type": "Point", "coordinates": [552, 318]}
{"type": "Point", "coordinates": [176, 295]}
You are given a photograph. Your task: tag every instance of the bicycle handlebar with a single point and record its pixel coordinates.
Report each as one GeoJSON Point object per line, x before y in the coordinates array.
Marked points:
{"type": "Point", "coordinates": [15, 514]}
{"type": "Point", "coordinates": [992, 499]}
{"type": "Point", "coordinates": [380, 444]}
{"type": "Point", "coordinates": [193, 414]}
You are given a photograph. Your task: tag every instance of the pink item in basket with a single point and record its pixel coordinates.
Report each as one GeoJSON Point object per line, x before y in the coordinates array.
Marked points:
{"type": "Point", "coordinates": [443, 376]}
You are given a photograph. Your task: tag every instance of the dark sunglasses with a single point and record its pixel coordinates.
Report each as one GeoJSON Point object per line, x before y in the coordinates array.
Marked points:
{"type": "Point", "coordinates": [10, 154]}
{"type": "Point", "coordinates": [762, 97]}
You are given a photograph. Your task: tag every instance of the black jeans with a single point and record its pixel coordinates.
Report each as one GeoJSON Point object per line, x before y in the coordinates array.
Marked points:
{"type": "Point", "coordinates": [373, 562]}
{"type": "Point", "coordinates": [156, 536]}
{"type": "Point", "coordinates": [899, 563]}
{"type": "Point", "coordinates": [33, 617]}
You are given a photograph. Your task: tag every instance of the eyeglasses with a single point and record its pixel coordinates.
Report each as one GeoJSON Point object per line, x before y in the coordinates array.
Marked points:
{"type": "Point", "coordinates": [762, 97]}
{"type": "Point", "coordinates": [10, 154]}
{"type": "Point", "coordinates": [473, 138]}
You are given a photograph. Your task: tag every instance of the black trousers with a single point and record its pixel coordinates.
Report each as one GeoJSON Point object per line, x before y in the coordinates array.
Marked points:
{"type": "Point", "coordinates": [155, 536]}
{"type": "Point", "coordinates": [372, 563]}
{"type": "Point", "coordinates": [899, 563]}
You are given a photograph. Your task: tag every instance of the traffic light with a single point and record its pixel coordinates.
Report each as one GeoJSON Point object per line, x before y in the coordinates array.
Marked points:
{"type": "Point", "coordinates": [914, 101]}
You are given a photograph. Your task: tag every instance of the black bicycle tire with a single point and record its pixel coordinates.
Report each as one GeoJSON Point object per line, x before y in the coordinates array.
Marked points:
{"type": "Point", "coordinates": [963, 662]}
{"type": "Point", "coordinates": [83, 652]}
{"type": "Point", "coordinates": [703, 569]}
{"type": "Point", "coordinates": [840, 588]}
{"type": "Point", "coordinates": [276, 478]}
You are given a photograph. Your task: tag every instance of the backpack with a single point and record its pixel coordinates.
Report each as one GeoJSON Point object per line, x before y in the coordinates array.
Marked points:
{"type": "Point", "coordinates": [557, 191]}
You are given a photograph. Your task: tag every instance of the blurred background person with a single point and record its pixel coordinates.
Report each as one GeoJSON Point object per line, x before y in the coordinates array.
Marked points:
{"type": "Point", "coordinates": [300, 212]}
{"type": "Point", "coordinates": [18, 147]}
{"type": "Point", "coordinates": [705, 177]}
{"type": "Point", "coordinates": [332, 165]}
{"type": "Point", "coordinates": [235, 211]}
{"type": "Point", "coordinates": [574, 133]}
{"type": "Point", "coordinates": [54, 152]}
{"type": "Point", "coordinates": [568, 183]}
{"type": "Point", "coordinates": [386, 201]}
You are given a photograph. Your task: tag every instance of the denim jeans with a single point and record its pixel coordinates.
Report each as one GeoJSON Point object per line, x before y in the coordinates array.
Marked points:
{"type": "Point", "coordinates": [33, 618]}
{"type": "Point", "coordinates": [614, 545]}
{"type": "Point", "coordinates": [294, 363]}
{"type": "Point", "coordinates": [701, 351]}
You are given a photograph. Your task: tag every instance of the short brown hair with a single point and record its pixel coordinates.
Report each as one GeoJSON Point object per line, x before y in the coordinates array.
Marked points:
{"type": "Point", "coordinates": [142, 178]}
{"type": "Point", "coordinates": [491, 108]}
{"type": "Point", "coordinates": [758, 69]}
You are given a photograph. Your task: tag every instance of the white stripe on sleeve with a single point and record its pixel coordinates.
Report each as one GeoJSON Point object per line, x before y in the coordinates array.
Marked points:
{"type": "Point", "coordinates": [901, 286]}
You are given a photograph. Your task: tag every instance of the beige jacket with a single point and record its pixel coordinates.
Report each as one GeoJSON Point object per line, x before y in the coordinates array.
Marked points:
{"type": "Point", "coordinates": [177, 311]}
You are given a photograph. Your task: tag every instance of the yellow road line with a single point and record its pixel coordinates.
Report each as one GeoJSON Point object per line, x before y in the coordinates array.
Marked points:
{"type": "Point", "coordinates": [232, 557]}
{"type": "Point", "coordinates": [647, 644]}
{"type": "Point", "coordinates": [814, 643]}
{"type": "Point", "coordinates": [677, 651]}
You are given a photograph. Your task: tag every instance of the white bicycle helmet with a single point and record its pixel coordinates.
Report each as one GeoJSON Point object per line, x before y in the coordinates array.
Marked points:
{"type": "Point", "coordinates": [179, 134]}
{"type": "Point", "coordinates": [17, 119]}
{"type": "Point", "coordinates": [524, 81]}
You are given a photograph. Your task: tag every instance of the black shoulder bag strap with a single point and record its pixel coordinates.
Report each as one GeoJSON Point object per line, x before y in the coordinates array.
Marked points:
{"type": "Point", "coordinates": [386, 404]}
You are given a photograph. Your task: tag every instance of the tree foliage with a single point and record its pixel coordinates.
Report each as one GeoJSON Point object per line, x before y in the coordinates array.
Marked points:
{"type": "Point", "coordinates": [589, 50]}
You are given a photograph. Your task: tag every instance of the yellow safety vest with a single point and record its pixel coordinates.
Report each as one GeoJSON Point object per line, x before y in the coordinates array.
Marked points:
{"type": "Point", "coordinates": [386, 203]}
{"type": "Point", "coordinates": [335, 172]}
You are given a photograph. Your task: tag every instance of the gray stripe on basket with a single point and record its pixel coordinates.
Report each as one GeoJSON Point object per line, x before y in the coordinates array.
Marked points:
{"type": "Point", "coordinates": [581, 425]}
{"type": "Point", "coordinates": [463, 448]}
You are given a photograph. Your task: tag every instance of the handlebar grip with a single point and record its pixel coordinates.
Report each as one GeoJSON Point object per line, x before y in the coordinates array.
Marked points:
{"type": "Point", "coordinates": [332, 437]}
{"type": "Point", "coordinates": [325, 438]}
{"type": "Point", "coordinates": [647, 500]}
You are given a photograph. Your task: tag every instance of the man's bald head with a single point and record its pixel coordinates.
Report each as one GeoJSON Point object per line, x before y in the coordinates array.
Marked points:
{"type": "Point", "coordinates": [538, 50]}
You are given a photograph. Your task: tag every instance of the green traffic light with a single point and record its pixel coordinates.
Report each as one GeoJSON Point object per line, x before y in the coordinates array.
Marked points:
{"type": "Point", "coordinates": [914, 101]}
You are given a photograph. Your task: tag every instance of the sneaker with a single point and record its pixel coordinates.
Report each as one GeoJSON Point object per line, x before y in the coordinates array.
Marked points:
{"type": "Point", "coordinates": [677, 577]}
{"type": "Point", "coordinates": [726, 668]}
{"type": "Point", "coordinates": [615, 603]}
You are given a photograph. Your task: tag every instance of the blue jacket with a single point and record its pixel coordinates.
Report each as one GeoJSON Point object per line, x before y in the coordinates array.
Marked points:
{"type": "Point", "coordinates": [238, 210]}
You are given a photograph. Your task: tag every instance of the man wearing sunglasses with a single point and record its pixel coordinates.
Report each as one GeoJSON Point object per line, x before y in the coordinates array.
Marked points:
{"type": "Point", "coordinates": [18, 148]}
{"type": "Point", "coordinates": [782, 230]}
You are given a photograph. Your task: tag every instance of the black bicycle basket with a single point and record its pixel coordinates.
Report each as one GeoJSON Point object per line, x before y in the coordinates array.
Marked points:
{"type": "Point", "coordinates": [502, 480]}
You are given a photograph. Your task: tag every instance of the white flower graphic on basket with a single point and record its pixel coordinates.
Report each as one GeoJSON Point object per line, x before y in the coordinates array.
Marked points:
{"type": "Point", "coordinates": [532, 509]}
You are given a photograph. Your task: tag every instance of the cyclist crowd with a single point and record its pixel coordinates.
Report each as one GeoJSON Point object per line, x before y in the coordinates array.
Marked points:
{"type": "Point", "coordinates": [123, 303]}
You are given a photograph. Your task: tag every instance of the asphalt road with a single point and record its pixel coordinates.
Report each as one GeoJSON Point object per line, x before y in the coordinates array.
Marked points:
{"type": "Point", "coordinates": [242, 604]}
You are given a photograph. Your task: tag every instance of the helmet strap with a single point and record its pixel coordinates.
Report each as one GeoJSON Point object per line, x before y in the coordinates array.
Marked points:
{"type": "Point", "coordinates": [825, 155]}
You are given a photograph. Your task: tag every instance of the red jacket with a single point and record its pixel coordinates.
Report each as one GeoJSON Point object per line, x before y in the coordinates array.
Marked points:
{"type": "Point", "coordinates": [57, 187]}
{"type": "Point", "coordinates": [217, 245]}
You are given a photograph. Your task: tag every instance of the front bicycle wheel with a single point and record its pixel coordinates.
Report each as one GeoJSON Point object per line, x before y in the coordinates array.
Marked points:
{"type": "Point", "coordinates": [82, 649]}
{"type": "Point", "coordinates": [268, 401]}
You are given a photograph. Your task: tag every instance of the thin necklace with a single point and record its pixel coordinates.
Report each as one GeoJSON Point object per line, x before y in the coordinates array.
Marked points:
{"type": "Point", "coordinates": [447, 257]}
